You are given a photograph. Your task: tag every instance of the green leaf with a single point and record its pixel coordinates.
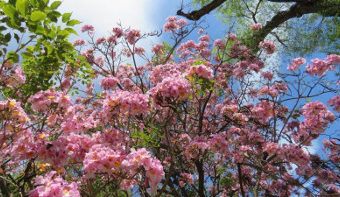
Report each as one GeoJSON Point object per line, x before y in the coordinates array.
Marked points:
{"type": "Point", "coordinates": [13, 56]}
{"type": "Point", "coordinates": [66, 17]}
{"type": "Point", "coordinates": [2, 28]}
{"type": "Point", "coordinates": [55, 5]}
{"type": "Point", "coordinates": [72, 31]}
{"type": "Point", "coordinates": [73, 22]}
{"type": "Point", "coordinates": [21, 6]}
{"type": "Point", "coordinates": [38, 16]}
{"type": "Point", "coordinates": [9, 10]}
{"type": "Point", "coordinates": [17, 38]}
{"type": "Point", "coordinates": [63, 33]}
{"type": "Point", "coordinates": [8, 37]}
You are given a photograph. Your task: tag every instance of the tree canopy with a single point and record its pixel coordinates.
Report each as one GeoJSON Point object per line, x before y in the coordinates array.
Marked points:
{"type": "Point", "coordinates": [315, 23]}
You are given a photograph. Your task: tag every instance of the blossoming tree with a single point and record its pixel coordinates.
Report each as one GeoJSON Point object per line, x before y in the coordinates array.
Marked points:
{"type": "Point", "coordinates": [196, 119]}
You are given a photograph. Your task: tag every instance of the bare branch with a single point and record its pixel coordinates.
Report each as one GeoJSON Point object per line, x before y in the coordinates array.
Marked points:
{"type": "Point", "coordinates": [197, 14]}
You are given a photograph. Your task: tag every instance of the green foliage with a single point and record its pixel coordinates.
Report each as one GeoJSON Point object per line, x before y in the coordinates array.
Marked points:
{"type": "Point", "coordinates": [313, 31]}
{"type": "Point", "coordinates": [98, 187]}
{"type": "Point", "coordinates": [41, 34]}
{"type": "Point", "coordinates": [147, 137]}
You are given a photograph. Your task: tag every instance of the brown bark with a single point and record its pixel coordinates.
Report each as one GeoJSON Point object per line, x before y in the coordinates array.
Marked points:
{"type": "Point", "coordinates": [197, 14]}
{"type": "Point", "coordinates": [199, 166]}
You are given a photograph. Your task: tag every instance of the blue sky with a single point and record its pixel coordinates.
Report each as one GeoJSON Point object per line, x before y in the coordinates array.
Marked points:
{"type": "Point", "coordinates": [146, 15]}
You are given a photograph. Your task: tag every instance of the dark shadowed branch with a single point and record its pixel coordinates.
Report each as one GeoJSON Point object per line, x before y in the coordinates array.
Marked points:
{"type": "Point", "coordinates": [197, 14]}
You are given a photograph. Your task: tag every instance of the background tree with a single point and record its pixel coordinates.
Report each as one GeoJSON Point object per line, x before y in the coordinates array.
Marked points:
{"type": "Point", "coordinates": [35, 35]}
{"type": "Point", "coordinates": [313, 23]}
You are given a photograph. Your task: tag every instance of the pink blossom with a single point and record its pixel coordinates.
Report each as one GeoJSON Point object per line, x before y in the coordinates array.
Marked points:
{"type": "Point", "coordinates": [53, 185]}
{"type": "Point", "coordinates": [268, 46]}
{"type": "Point", "coordinates": [102, 159]}
{"type": "Point", "coordinates": [256, 26]}
{"type": "Point", "coordinates": [100, 40]}
{"type": "Point", "coordinates": [132, 36]}
{"type": "Point", "coordinates": [219, 43]}
{"type": "Point", "coordinates": [170, 87]}
{"type": "Point", "coordinates": [109, 82]}
{"type": "Point", "coordinates": [18, 77]}
{"type": "Point", "coordinates": [263, 111]}
{"type": "Point", "coordinates": [232, 36]}
{"type": "Point", "coordinates": [152, 166]}
{"type": "Point", "coordinates": [267, 75]}
{"type": "Point", "coordinates": [158, 49]}
{"type": "Point", "coordinates": [296, 63]}
{"type": "Point", "coordinates": [204, 38]}
{"type": "Point", "coordinates": [87, 28]}
{"type": "Point", "coordinates": [79, 42]}
{"type": "Point", "coordinates": [335, 103]}
{"type": "Point", "coordinates": [201, 71]}
{"type": "Point", "coordinates": [317, 117]}
{"type": "Point", "coordinates": [118, 32]}
{"type": "Point", "coordinates": [333, 59]}
{"type": "Point", "coordinates": [126, 102]}
{"type": "Point", "coordinates": [112, 39]}
{"type": "Point", "coordinates": [173, 24]}
{"type": "Point", "coordinates": [318, 67]}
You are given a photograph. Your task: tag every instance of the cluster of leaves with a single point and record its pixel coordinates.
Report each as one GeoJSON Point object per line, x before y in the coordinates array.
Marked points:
{"type": "Point", "coordinates": [41, 34]}
{"type": "Point", "coordinates": [317, 32]}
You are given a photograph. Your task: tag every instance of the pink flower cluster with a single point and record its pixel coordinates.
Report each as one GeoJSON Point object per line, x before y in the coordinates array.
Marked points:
{"type": "Point", "coordinates": [219, 43]}
{"type": "Point", "coordinates": [268, 46]}
{"type": "Point", "coordinates": [256, 26]}
{"type": "Point", "coordinates": [190, 48]}
{"type": "Point", "coordinates": [201, 71]}
{"type": "Point", "coordinates": [186, 178]}
{"type": "Point", "coordinates": [161, 72]}
{"type": "Point", "coordinates": [319, 67]}
{"type": "Point", "coordinates": [171, 87]}
{"type": "Point", "coordinates": [12, 75]}
{"type": "Point", "coordinates": [127, 102]}
{"type": "Point", "coordinates": [118, 32]}
{"type": "Point", "coordinates": [53, 185]}
{"type": "Point", "coordinates": [11, 110]}
{"type": "Point", "coordinates": [132, 36]}
{"type": "Point", "coordinates": [267, 75]}
{"type": "Point", "coordinates": [333, 59]}
{"type": "Point", "coordinates": [296, 63]}
{"type": "Point", "coordinates": [335, 103]}
{"type": "Point", "coordinates": [43, 100]}
{"type": "Point", "coordinates": [173, 23]}
{"type": "Point", "coordinates": [87, 28]}
{"type": "Point", "coordinates": [109, 83]}
{"type": "Point", "coordinates": [158, 49]}
{"type": "Point", "coordinates": [334, 148]}
{"type": "Point", "coordinates": [152, 166]}
{"type": "Point", "coordinates": [263, 111]}
{"type": "Point", "coordinates": [79, 42]}
{"type": "Point", "coordinates": [241, 68]}
{"type": "Point", "coordinates": [102, 159]}
{"type": "Point", "coordinates": [317, 117]}
{"type": "Point", "coordinates": [274, 90]}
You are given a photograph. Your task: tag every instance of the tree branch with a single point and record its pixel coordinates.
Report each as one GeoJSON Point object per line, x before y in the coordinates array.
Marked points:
{"type": "Point", "coordinates": [325, 8]}
{"type": "Point", "coordinates": [200, 171]}
{"type": "Point", "coordinates": [197, 14]}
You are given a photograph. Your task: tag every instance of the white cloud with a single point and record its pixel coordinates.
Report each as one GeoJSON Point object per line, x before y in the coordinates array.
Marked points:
{"type": "Point", "coordinates": [104, 14]}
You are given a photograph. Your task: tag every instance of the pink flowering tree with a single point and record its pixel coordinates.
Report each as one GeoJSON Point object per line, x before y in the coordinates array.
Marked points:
{"type": "Point", "coordinates": [196, 118]}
